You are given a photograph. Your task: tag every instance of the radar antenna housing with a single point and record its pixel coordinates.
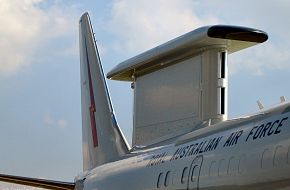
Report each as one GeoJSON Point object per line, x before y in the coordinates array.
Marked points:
{"type": "Point", "coordinates": [183, 82]}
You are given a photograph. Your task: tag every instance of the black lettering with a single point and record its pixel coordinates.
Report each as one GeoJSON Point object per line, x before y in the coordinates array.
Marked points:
{"type": "Point", "coordinates": [201, 149]}
{"type": "Point", "coordinates": [188, 150]}
{"type": "Point", "coordinates": [209, 145]}
{"type": "Point", "coordinates": [258, 131]}
{"type": "Point", "coordinates": [163, 156]}
{"type": "Point", "coordinates": [228, 142]}
{"type": "Point", "coordinates": [192, 150]}
{"type": "Point", "coordinates": [174, 157]}
{"type": "Point", "coordinates": [238, 134]}
{"type": "Point", "coordinates": [251, 132]}
{"type": "Point", "coordinates": [216, 143]}
{"type": "Point", "coordinates": [270, 132]}
{"type": "Point", "coordinates": [180, 152]}
{"type": "Point", "coordinates": [154, 160]}
{"type": "Point", "coordinates": [150, 161]}
{"type": "Point", "coordinates": [280, 125]}
{"type": "Point", "coordinates": [263, 133]}
{"type": "Point", "coordinates": [198, 148]}
{"type": "Point", "coordinates": [157, 160]}
{"type": "Point", "coordinates": [183, 151]}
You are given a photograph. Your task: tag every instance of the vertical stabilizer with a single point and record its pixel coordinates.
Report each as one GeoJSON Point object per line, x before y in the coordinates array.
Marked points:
{"type": "Point", "coordinates": [103, 140]}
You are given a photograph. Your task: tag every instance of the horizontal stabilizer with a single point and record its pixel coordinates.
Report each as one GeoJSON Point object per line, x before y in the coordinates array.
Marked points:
{"type": "Point", "coordinates": [40, 183]}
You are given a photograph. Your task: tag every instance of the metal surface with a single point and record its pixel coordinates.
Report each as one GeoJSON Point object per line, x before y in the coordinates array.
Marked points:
{"type": "Point", "coordinates": [194, 173]}
{"type": "Point", "coordinates": [103, 140]}
{"type": "Point", "coordinates": [39, 183]}
{"type": "Point", "coordinates": [175, 99]}
{"type": "Point", "coordinates": [167, 101]}
{"type": "Point", "coordinates": [240, 163]}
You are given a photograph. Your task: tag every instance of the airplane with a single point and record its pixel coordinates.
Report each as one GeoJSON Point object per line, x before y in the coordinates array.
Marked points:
{"type": "Point", "coordinates": [182, 138]}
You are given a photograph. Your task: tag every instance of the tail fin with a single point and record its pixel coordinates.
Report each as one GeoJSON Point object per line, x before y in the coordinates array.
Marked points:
{"type": "Point", "coordinates": [103, 140]}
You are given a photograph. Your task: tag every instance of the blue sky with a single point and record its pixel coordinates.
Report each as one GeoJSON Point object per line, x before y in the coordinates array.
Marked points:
{"type": "Point", "coordinates": [40, 117]}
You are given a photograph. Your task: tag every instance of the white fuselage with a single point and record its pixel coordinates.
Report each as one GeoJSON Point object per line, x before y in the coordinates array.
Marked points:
{"type": "Point", "coordinates": [247, 153]}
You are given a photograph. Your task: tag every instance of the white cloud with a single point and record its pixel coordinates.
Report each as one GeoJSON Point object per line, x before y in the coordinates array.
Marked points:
{"type": "Point", "coordinates": [62, 123]}
{"type": "Point", "coordinates": [48, 119]}
{"type": "Point", "coordinates": [51, 121]}
{"type": "Point", "coordinates": [25, 28]}
{"type": "Point", "coordinates": [144, 24]}
{"type": "Point", "coordinates": [259, 59]}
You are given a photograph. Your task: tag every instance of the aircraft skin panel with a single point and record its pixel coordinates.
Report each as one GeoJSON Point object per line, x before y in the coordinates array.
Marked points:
{"type": "Point", "coordinates": [40, 183]}
{"type": "Point", "coordinates": [252, 156]}
{"type": "Point", "coordinates": [170, 106]}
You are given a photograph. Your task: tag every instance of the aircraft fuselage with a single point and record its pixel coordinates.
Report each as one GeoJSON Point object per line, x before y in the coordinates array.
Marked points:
{"type": "Point", "coordinates": [246, 153]}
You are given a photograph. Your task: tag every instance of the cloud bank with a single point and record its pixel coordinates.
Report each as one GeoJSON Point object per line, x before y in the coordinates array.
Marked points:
{"type": "Point", "coordinates": [140, 25]}
{"type": "Point", "coordinates": [51, 121]}
{"type": "Point", "coordinates": [26, 28]}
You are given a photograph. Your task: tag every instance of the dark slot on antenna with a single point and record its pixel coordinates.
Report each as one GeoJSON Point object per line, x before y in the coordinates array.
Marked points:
{"type": "Point", "coordinates": [223, 64]}
{"type": "Point", "coordinates": [222, 100]}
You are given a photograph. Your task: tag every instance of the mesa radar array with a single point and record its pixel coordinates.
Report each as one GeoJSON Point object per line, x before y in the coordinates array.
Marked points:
{"type": "Point", "coordinates": [184, 82]}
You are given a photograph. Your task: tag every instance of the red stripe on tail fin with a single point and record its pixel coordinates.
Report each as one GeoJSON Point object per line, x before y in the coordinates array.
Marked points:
{"type": "Point", "coordinates": [92, 108]}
